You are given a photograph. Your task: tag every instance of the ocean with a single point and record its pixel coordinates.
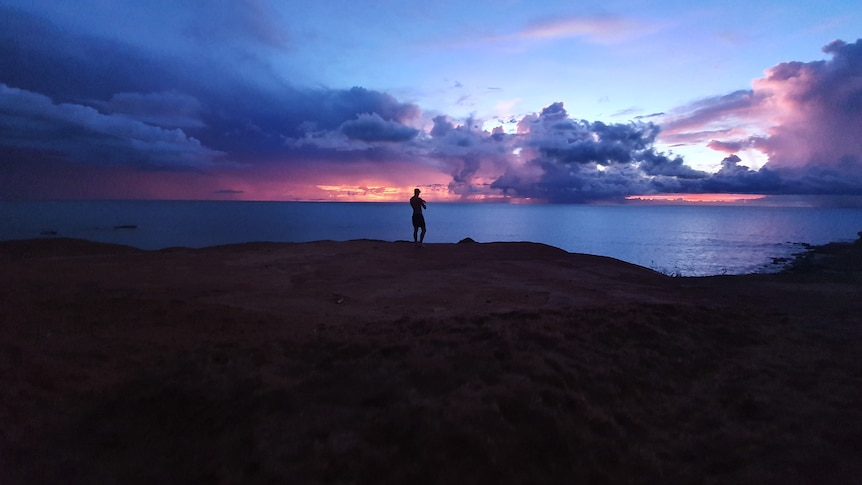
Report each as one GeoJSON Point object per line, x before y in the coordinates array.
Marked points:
{"type": "Point", "coordinates": [679, 240]}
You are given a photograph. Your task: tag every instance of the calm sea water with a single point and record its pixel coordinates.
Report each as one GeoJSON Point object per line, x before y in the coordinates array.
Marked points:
{"type": "Point", "coordinates": [686, 240]}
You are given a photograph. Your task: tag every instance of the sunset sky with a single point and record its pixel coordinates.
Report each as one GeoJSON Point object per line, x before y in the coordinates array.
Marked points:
{"type": "Point", "coordinates": [548, 101]}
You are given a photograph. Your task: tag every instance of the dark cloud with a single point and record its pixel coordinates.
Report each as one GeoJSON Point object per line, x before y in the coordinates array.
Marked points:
{"type": "Point", "coordinates": [657, 164]}
{"type": "Point", "coordinates": [579, 161]}
{"type": "Point", "coordinates": [73, 100]}
{"type": "Point", "coordinates": [442, 126]}
{"type": "Point", "coordinates": [733, 177]}
{"type": "Point", "coordinates": [166, 109]}
{"type": "Point", "coordinates": [727, 146]}
{"type": "Point", "coordinates": [84, 135]}
{"type": "Point", "coordinates": [373, 128]}
{"type": "Point", "coordinates": [333, 107]}
{"type": "Point", "coordinates": [99, 101]}
{"type": "Point", "coordinates": [651, 115]}
{"type": "Point", "coordinates": [38, 56]}
{"type": "Point", "coordinates": [463, 177]}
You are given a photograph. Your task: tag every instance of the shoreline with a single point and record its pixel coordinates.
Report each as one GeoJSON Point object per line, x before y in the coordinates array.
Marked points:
{"type": "Point", "coordinates": [377, 362]}
{"type": "Point", "coordinates": [631, 235]}
{"type": "Point", "coordinates": [833, 256]}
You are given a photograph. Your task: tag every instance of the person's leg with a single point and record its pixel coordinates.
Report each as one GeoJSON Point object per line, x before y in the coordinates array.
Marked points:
{"type": "Point", "coordinates": [422, 236]}
{"type": "Point", "coordinates": [415, 231]}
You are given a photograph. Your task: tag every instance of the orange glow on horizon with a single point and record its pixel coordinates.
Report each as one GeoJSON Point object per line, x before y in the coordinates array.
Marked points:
{"type": "Point", "coordinates": [697, 198]}
{"type": "Point", "coordinates": [357, 193]}
{"type": "Point", "coordinates": [382, 193]}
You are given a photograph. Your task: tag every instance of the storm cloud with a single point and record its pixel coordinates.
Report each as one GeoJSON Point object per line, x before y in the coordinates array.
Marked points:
{"type": "Point", "coordinates": [83, 134]}
{"type": "Point", "coordinates": [372, 127]}
{"type": "Point", "coordinates": [570, 160]}
{"type": "Point", "coordinates": [94, 101]}
{"type": "Point", "coordinates": [805, 117]}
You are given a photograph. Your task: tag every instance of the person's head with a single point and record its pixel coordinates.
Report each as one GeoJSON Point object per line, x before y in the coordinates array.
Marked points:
{"type": "Point", "coordinates": [416, 191]}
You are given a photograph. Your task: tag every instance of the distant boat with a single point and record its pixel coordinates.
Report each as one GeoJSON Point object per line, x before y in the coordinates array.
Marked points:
{"type": "Point", "coordinates": [126, 226]}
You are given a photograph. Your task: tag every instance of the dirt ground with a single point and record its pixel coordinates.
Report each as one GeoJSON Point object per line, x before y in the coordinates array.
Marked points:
{"type": "Point", "coordinates": [378, 362]}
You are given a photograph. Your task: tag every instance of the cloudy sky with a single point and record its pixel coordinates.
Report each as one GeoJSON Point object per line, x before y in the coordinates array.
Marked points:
{"type": "Point", "coordinates": [513, 100]}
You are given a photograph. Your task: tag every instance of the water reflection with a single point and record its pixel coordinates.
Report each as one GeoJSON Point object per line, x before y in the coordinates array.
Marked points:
{"type": "Point", "coordinates": [686, 240]}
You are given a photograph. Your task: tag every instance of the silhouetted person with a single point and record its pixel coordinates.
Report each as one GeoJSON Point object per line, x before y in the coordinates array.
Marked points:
{"type": "Point", "coordinates": [418, 204]}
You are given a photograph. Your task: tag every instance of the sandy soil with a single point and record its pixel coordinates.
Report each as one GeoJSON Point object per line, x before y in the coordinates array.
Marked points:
{"type": "Point", "coordinates": [377, 362]}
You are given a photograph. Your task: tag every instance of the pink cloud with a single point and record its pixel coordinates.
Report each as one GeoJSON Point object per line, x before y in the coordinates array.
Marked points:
{"type": "Point", "coordinates": [818, 109]}
{"type": "Point", "coordinates": [711, 117]}
{"type": "Point", "coordinates": [601, 29]}
{"type": "Point", "coordinates": [574, 27]}
{"type": "Point", "coordinates": [800, 114]}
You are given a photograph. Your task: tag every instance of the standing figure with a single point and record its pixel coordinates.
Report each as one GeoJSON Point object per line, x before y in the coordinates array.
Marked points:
{"type": "Point", "coordinates": [418, 204]}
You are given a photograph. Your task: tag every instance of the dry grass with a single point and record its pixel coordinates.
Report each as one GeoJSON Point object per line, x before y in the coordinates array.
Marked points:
{"type": "Point", "coordinates": [725, 380]}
